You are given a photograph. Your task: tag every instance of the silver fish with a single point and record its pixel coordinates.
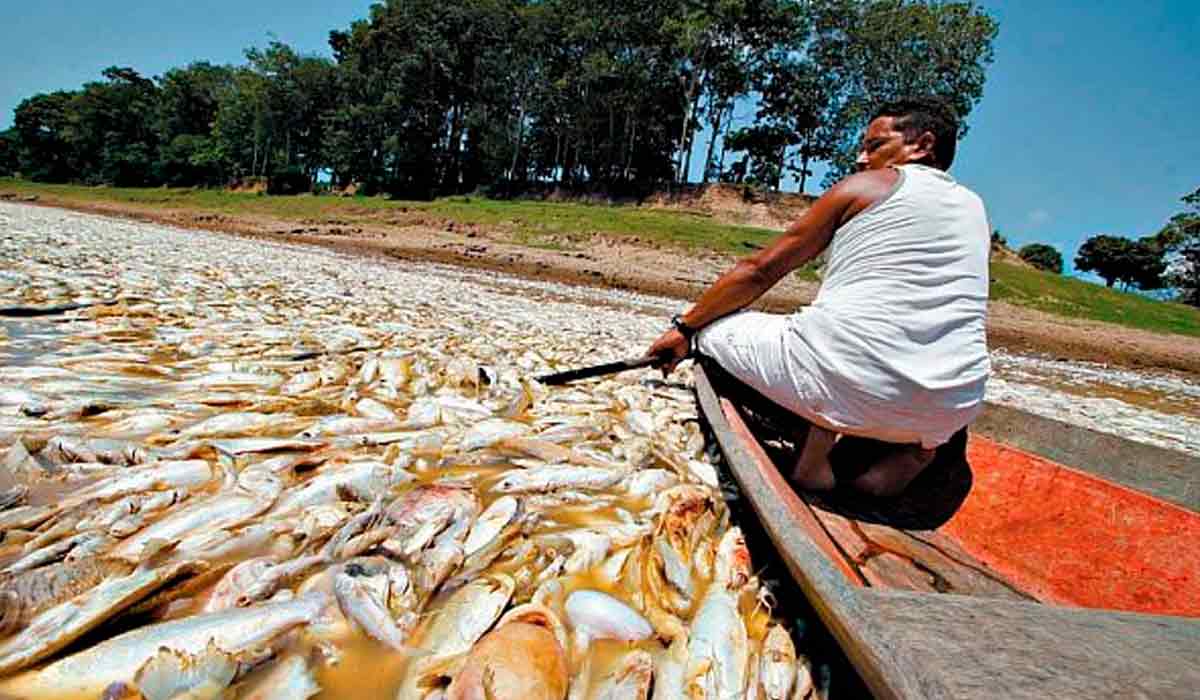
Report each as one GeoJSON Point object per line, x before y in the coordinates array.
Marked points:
{"type": "Point", "coordinates": [89, 672]}
{"type": "Point", "coordinates": [552, 478]}
{"type": "Point", "coordinates": [59, 626]}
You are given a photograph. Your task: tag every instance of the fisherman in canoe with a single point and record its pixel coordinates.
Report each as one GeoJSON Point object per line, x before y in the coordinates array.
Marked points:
{"type": "Point", "coordinates": [891, 358]}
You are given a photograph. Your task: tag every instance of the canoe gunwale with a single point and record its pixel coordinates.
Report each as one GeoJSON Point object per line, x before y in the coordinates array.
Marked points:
{"type": "Point", "coordinates": [952, 645]}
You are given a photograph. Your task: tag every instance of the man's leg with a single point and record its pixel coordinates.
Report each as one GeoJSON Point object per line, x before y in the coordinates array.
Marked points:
{"type": "Point", "coordinates": [813, 470]}
{"type": "Point", "coordinates": [749, 356]}
{"type": "Point", "coordinates": [891, 474]}
{"type": "Point", "coordinates": [744, 355]}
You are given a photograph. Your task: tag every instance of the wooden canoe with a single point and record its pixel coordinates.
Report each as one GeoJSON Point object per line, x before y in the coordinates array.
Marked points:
{"type": "Point", "coordinates": [1040, 579]}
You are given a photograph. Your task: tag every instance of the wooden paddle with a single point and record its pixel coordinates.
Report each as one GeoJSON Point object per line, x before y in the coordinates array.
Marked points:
{"type": "Point", "coordinates": [601, 370]}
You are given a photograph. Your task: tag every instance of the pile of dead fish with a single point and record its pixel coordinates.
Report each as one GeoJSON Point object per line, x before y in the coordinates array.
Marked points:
{"type": "Point", "coordinates": [222, 479]}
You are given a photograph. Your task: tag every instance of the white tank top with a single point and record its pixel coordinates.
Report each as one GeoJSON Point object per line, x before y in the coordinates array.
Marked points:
{"type": "Point", "coordinates": [899, 319]}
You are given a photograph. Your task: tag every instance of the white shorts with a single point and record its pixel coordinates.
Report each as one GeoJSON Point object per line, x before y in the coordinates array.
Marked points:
{"type": "Point", "coordinates": [768, 353]}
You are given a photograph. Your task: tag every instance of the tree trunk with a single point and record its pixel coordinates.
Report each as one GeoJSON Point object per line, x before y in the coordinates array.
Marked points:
{"type": "Point", "coordinates": [715, 122]}
{"type": "Point", "coordinates": [721, 163]}
{"type": "Point", "coordinates": [632, 142]}
{"type": "Point", "coordinates": [691, 96]}
{"type": "Point", "coordinates": [266, 155]}
{"type": "Point", "coordinates": [512, 168]}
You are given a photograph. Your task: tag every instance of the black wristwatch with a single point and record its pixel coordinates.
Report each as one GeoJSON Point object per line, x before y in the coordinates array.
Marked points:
{"type": "Point", "coordinates": [683, 328]}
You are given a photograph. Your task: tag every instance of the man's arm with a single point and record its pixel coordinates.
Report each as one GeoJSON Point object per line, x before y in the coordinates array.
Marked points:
{"type": "Point", "coordinates": [752, 276]}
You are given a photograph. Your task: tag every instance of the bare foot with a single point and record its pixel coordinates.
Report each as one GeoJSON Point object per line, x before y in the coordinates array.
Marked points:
{"type": "Point", "coordinates": [894, 471]}
{"type": "Point", "coordinates": [812, 471]}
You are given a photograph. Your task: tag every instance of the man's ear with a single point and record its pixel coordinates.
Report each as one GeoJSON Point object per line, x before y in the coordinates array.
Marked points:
{"type": "Point", "coordinates": [924, 147]}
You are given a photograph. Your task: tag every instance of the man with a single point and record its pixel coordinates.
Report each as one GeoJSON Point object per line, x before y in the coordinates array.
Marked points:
{"type": "Point", "coordinates": [893, 348]}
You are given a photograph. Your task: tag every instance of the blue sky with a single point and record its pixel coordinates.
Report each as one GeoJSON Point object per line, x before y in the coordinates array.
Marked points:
{"type": "Point", "coordinates": [1086, 124]}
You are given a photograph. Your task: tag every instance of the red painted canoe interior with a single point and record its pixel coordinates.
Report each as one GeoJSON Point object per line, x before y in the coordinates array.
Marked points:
{"type": "Point", "coordinates": [1023, 527]}
{"type": "Point", "coordinates": [1073, 538]}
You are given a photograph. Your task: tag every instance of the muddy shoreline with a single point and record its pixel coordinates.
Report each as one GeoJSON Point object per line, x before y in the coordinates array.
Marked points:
{"type": "Point", "coordinates": [622, 264]}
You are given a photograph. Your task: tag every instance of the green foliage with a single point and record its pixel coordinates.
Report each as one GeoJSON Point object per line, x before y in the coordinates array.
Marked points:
{"type": "Point", "coordinates": [427, 98]}
{"type": "Point", "coordinates": [8, 152]}
{"type": "Point", "coordinates": [44, 153]}
{"type": "Point", "coordinates": [1139, 264]}
{"type": "Point", "coordinates": [1180, 241]}
{"type": "Point", "coordinates": [189, 98]}
{"type": "Point", "coordinates": [874, 51]}
{"type": "Point", "coordinates": [1043, 257]}
{"type": "Point", "coordinates": [1065, 296]}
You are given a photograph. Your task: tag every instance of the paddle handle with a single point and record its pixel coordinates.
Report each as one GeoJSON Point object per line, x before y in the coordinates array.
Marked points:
{"type": "Point", "coordinates": [601, 370]}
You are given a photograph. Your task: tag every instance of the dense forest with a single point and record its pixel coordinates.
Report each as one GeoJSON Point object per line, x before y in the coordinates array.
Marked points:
{"type": "Point", "coordinates": [426, 98]}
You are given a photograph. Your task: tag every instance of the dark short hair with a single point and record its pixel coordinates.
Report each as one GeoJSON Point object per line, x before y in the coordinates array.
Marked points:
{"type": "Point", "coordinates": [915, 116]}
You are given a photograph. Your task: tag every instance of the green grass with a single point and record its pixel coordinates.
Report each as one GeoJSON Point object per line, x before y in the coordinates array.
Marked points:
{"type": "Point", "coordinates": [566, 226]}
{"type": "Point", "coordinates": [1064, 296]}
{"type": "Point", "coordinates": [532, 222]}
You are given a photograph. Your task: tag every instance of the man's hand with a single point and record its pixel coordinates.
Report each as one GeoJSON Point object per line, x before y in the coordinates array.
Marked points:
{"type": "Point", "coordinates": [672, 347]}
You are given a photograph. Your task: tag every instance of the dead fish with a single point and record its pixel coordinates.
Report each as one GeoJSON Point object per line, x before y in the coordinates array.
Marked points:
{"type": "Point", "coordinates": [89, 672]}
{"type": "Point", "coordinates": [158, 475]}
{"type": "Point", "coordinates": [301, 383]}
{"type": "Point", "coordinates": [230, 544]}
{"type": "Point", "coordinates": [139, 425]}
{"type": "Point", "coordinates": [552, 478]}
{"type": "Point", "coordinates": [424, 512]}
{"type": "Point", "coordinates": [278, 576]}
{"type": "Point", "coordinates": [670, 668]}
{"type": "Point", "coordinates": [25, 517]}
{"type": "Point", "coordinates": [289, 678]}
{"type": "Point", "coordinates": [170, 674]}
{"type": "Point", "coordinates": [598, 615]}
{"type": "Point", "coordinates": [718, 651]}
{"type": "Point", "coordinates": [366, 480]}
{"type": "Point", "coordinates": [227, 591]}
{"type": "Point", "coordinates": [241, 446]}
{"type": "Point", "coordinates": [64, 449]}
{"type": "Point", "coordinates": [461, 618]}
{"type": "Point", "coordinates": [331, 426]}
{"type": "Point", "coordinates": [362, 592]}
{"type": "Point", "coordinates": [521, 659]}
{"type": "Point", "coordinates": [231, 380]}
{"type": "Point", "coordinates": [422, 414]}
{"type": "Point", "coordinates": [629, 679]}
{"type": "Point", "coordinates": [14, 496]}
{"type": "Point", "coordinates": [214, 512]}
{"type": "Point", "coordinates": [777, 666]}
{"type": "Point", "coordinates": [26, 595]}
{"type": "Point", "coordinates": [489, 432]}
{"type": "Point", "coordinates": [59, 626]}
{"type": "Point", "coordinates": [375, 410]}
{"type": "Point", "coordinates": [58, 551]}
{"type": "Point", "coordinates": [649, 482]}
{"type": "Point", "coordinates": [233, 424]}
{"type": "Point", "coordinates": [490, 523]}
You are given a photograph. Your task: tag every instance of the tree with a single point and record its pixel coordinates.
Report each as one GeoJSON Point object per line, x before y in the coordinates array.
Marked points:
{"type": "Point", "coordinates": [8, 152]}
{"type": "Point", "coordinates": [766, 148]}
{"type": "Point", "coordinates": [879, 50]}
{"type": "Point", "coordinates": [111, 129]}
{"type": "Point", "coordinates": [43, 151]}
{"type": "Point", "coordinates": [1180, 241]}
{"type": "Point", "coordinates": [189, 98]}
{"type": "Point", "coordinates": [427, 98]}
{"type": "Point", "coordinates": [1043, 257]}
{"type": "Point", "coordinates": [1138, 264]}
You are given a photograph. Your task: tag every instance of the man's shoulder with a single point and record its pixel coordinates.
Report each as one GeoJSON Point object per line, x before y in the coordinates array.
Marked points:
{"type": "Point", "coordinates": [865, 189]}
{"type": "Point", "coordinates": [870, 183]}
